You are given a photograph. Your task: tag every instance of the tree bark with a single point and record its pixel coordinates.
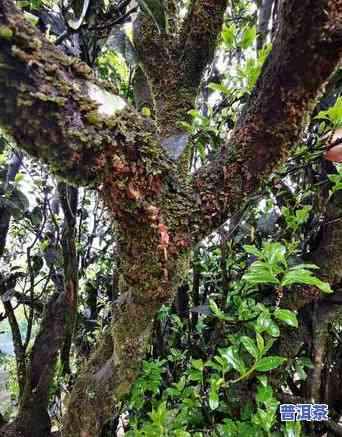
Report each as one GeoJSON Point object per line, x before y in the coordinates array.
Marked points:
{"type": "Point", "coordinates": [161, 214]}
{"type": "Point", "coordinates": [5, 218]}
{"type": "Point", "coordinates": [33, 418]}
{"type": "Point", "coordinates": [69, 202]}
{"type": "Point", "coordinates": [5, 215]}
{"type": "Point", "coordinates": [265, 13]}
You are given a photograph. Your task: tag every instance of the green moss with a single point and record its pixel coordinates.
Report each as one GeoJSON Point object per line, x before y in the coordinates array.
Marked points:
{"type": "Point", "coordinates": [94, 117]}
{"type": "Point", "coordinates": [110, 122]}
{"type": "Point", "coordinates": [6, 32]}
{"type": "Point", "coordinates": [82, 69]}
{"type": "Point", "coordinates": [45, 98]}
{"type": "Point", "coordinates": [78, 134]}
{"type": "Point", "coordinates": [36, 44]}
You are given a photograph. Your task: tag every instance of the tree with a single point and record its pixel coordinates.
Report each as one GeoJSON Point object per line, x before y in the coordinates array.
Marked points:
{"type": "Point", "coordinates": [162, 209]}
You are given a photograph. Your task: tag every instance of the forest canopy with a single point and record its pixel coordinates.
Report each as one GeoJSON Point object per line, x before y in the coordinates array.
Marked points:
{"type": "Point", "coordinates": [170, 218]}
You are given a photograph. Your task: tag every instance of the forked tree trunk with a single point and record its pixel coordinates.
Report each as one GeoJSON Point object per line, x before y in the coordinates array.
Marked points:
{"type": "Point", "coordinates": [161, 214]}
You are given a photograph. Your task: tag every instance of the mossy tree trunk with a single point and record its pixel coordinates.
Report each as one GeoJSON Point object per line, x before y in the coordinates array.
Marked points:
{"type": "Point", "coordinates": [160, 213]}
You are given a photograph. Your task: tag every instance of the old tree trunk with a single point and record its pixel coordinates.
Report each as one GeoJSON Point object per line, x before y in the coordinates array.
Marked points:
{"type": "Point", "coordinates": [162, 211]}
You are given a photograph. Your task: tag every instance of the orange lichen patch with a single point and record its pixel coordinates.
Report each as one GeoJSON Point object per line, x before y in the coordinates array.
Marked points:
{"type": "Point", "coordinates": [71, 293]}
{"type": "Point", "coordinates": [164, 241]}
{"type": "Point", "coordinates": [132, 192]}
{"type": "Point", "coordinates": [164, 236]}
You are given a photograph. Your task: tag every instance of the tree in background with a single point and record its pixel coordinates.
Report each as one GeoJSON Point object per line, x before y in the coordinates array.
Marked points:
{"type": "Point", "coordinates": [169, 183]}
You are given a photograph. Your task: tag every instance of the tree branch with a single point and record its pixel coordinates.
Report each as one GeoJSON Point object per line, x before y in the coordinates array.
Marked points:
{"type": "Point", "coordinates": [160, 216]}
{"type": "Point", "coordinates": [69, 201]}
{"type": "Point", "coordinates": [264, 18]}
{"type": "Point", "coordinates": [199, 36]}
{"type": "Point", "coordinates": [5, 214]}
{"type": "Point", "coordinates": [174, 65]}
{"type": "Point", "coordinates": [306, 50]}
{"type": "Point", "coordinates": [73, 125]}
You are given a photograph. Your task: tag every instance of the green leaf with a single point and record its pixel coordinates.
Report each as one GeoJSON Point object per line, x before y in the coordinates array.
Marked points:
{"type": "Point", "coordinates": [295, 220]}
{"type": "Point", "coordinates": [216, 310]}
{"type": "Point", "coordinates": [263, 322]}
{"type": "Point", "coordinates": [146, 111]}
{"type": "Point", "coordinates": [250, 346]}
{"type": "Point", "coordinates": [232, 357]}
{"type": "Point", "coordinates": [263, 419]}
{"type": "Point", "coordinates": [213, 399]}
{"type": "Point", "coordinates": [197, 364]}
{"type": "Point", "coordinates": [228, 428]}
{"type": "Point", "coordinates": [274, 252]}
{"type": "Point", "coordinates": [19, 177]}
{"type": "Point", "coordinates": [269, 344]}
{"type": "Point", "coordinates": [303, 276]}
{"type": "Point", "coordinates": [333, 114]}
{"type": "Point", "coordinates": [219, 87]}
{"type": "Point", "coordinates": [273, 329]}
{"type": "Point", "coordinates": [302, 215]}
{"type": "Point", "coordinates": [195, 375]}
{"type": "Point", "coordinates": [293, 429]}
{"type": "Point", "coordinates": [228, 36]}
{"type": "Point", "coordinates": [36, 216]}
{"type": "Point", "coordinates": [260, 273]}
{"type": "Point", "coordinates": [248, 37]}
{"type": "Point", "coordinates": [263, 380]}
{"type": "Point", "coordinates": [260, 342]}
{"type": "Point", "coordinates": [220, 366]}
{"type": "Point", "coordinates": [32, 19]}
{"type": "Point", "coordinates": [286, 316]}
{"type": "Point", "coordinates": [269, 363]}
{"type": "Point", "coordinates": [305, 267]}
{"type": "Point", "coordinates": [264, 394]}
{"type": "Point", "coordinates": [252, 250]}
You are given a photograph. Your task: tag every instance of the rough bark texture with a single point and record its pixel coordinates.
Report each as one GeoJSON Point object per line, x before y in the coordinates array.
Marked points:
{"type": "Point", "coordinates": [5, 218]}
{"type": "Point", "coordinates": [174, 63]}
{"type": "Point", "coordinates": [33, 417]}
{"type": "Point", "coordinates": [264, 18]}
{"type": "Point", "coordinates": [161, 214]}
{"type": "Point", "coordinates": [18, 345]}
{"type": "Point", "coordinates": [69, 201]}
{"type": "Point", "coordinates": [306, 49]}
{"type": "Point", "coordinates": [5, 215]}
